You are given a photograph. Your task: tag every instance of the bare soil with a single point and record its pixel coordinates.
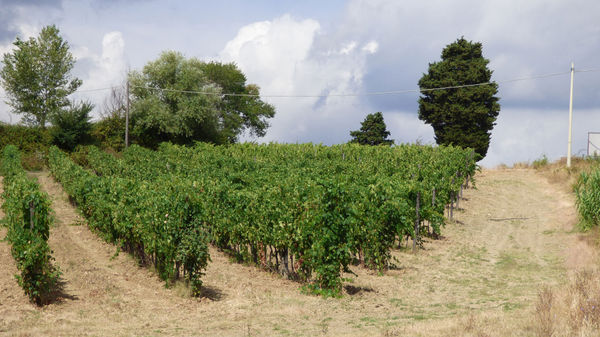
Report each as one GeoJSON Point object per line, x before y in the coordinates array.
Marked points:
{"type": "Point", "coordinates": [511, 236]}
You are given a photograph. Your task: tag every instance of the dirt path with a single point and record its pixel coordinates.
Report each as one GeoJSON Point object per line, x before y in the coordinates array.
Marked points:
{"type": "Point", "coordinates": [513, 236]}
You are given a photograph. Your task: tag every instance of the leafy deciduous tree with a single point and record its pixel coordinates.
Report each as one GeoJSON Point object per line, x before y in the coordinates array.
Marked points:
{"type": "Point", "coordinates": [36, 76]}
{"type": "Point", "coordinates": [167, 106]}
{"type": "Point", "coordinates": [460, 116]}
{"type": "Point", "coordinates": [372, 131]}
{"type": "Point", "coordinates": [246, 111]}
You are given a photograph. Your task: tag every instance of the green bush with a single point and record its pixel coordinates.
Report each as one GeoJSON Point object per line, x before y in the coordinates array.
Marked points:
{"type": "Point", "coordinates": [32, 142]}
{"type": "Point", "coordinates": [109, 133]}
{"type": "Point", "coordinates": [72, 127]}
{"type": "Point", "coordinates": [539, 163]}
{"type": "Point", "coordinates": [26, 139]}
{"type": "Point", "coordinates": [28, 218]}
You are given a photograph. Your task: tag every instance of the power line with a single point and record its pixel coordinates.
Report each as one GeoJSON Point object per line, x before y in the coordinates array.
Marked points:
{"type": "Point", "coordinates": [587, 70]}
{"type": "Point", "coordinates": [372, 93]}
{"type": "Point", "coordinates": [98, 89]}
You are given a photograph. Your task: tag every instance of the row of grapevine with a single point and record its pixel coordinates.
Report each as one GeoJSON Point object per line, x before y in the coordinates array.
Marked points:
{"type": "Point", "coordinates": [305, 210]}
{"type": "Point", "coordinates": [154, 223]}
{"type": "Point", "coordinates": [28, 219]}
{"type": "Point", "coordinates": [587, 191]}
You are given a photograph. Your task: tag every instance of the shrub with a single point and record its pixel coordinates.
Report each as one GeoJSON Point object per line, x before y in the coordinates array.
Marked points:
{"type": "Point", "coordinates": [72, 126]}
{"type": "Point", "coordinates": [539, 163]}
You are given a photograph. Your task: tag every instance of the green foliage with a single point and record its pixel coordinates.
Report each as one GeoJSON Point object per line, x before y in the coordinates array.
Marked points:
{"type": "Point", "coordinates": [36, 76]}
{"type": "Point", "coordinates": [26, 139]}
{"type": "Point", "coordinates": [238, 113]}
{"type": "Point", "coordinates": [72, 127]}
{"type": "Point", "coordinates": [539, 163]}
{"type": "Point", "coordinates": [460, 116]}
{"type": "Point", "coordinates": [28, 235]}
{"type": "Point", "coordinates": [172, 115]}
{"type": "Point", "coordinates": [306, 210]}
{"type": "Point", "coordinates": [31, 141]}
{"type": "Point", "coordinates": [372, 131]}
{"type": "Point", "coordinates": [587, 191]}
{"type": "Point", "coordinates": [110, 132]}
{"type": "Point", "coordinates": [156, 223]}
{"type": "Point", "coordinates": [184, 117]}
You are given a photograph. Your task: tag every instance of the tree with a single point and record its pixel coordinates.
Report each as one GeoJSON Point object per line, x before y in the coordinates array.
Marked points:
{"type": "Point", "coordinates": [72, 126]}
{"type": "Point", "coordinates": [36, 76]}
{"type": "Point", "coordinates": [181, 100]}
{"type": "Point", "coordinates": [460, 116]}
{"type": "Point", "coordinates": [372, 131]}
{"type": "Point", "coordinates": [244, 110]}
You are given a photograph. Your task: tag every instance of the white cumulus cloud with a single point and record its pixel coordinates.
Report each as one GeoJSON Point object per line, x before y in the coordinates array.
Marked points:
{"type": "Point", "coordinates": [371, 47]}
{"type": "Point", "coordinates": [103, 70]}
{"type": "Point", "coordinates": [348, 48]}
{"type": "Point", "coordinates": [283, 58]}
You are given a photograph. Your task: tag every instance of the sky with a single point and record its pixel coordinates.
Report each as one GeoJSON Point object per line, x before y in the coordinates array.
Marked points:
{"type": "Point", "coordinates": [347, 47]}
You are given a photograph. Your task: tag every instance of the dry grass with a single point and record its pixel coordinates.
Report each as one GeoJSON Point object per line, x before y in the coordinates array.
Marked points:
{"type": "Point", "coordinates": [570, 311]}
{"type": "Point", "coordinates": [521, 165]}
{"type": "Point", "coordinates": [558, 173]}
{"type": "Point", "coordinates": [574, 309]}
{"type": "Point", "coordinates": [512, 236]}
{"type": "Point", "coordinates": [544, 314]}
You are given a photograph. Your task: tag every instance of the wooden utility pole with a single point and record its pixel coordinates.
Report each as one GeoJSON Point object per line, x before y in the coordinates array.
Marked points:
{"type": "Point", "coordinates": [570, 116]}
{"type": "Point", "coordinates": [127, 116]}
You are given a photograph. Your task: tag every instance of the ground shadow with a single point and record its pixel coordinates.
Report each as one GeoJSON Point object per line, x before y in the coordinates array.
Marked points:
{"type": "Point", "coordinates": [211, 293]}
{"type": "Point", "coordinates": [353, 290]}
{"type": "Point", "coordinates": [58, 295]}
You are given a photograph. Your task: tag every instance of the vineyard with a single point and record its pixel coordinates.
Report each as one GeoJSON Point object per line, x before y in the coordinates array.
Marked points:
{"type": "Point", "coordinates": [187, 214]}
{"type": "Point", "coordinates": [28, 220]}
{"type": "Point", "coordinates": [305, 211]}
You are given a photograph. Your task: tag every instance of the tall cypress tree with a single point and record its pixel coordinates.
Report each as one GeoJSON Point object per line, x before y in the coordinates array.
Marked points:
{"type": "Point", "coordinates": [460, 116]}
{"type": "Point", "coordinates": [372, 131]}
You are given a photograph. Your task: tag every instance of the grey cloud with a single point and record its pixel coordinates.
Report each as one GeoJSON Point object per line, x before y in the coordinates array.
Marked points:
{"type": "Point", "coordinates": [523, 135]}
{"type": "Point", "coordinates": [9, 14]}
{"type": "Point", "coordinates": [7, 33]}
{"type": "Point", "coordinates": [52, 3]}
{"type": "Point", "coordinates": [521, 39]}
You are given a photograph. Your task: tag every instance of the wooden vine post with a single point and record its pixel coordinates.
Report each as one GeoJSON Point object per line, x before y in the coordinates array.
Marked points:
{"type": "Point", "coordinates": [31, 214]}
{"type": "Point", "coordinates": [433, 203]}
{"type": "Point", "coordinates": [452, 201]}
{"type": "Point", "coordinates": [414, 247]}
